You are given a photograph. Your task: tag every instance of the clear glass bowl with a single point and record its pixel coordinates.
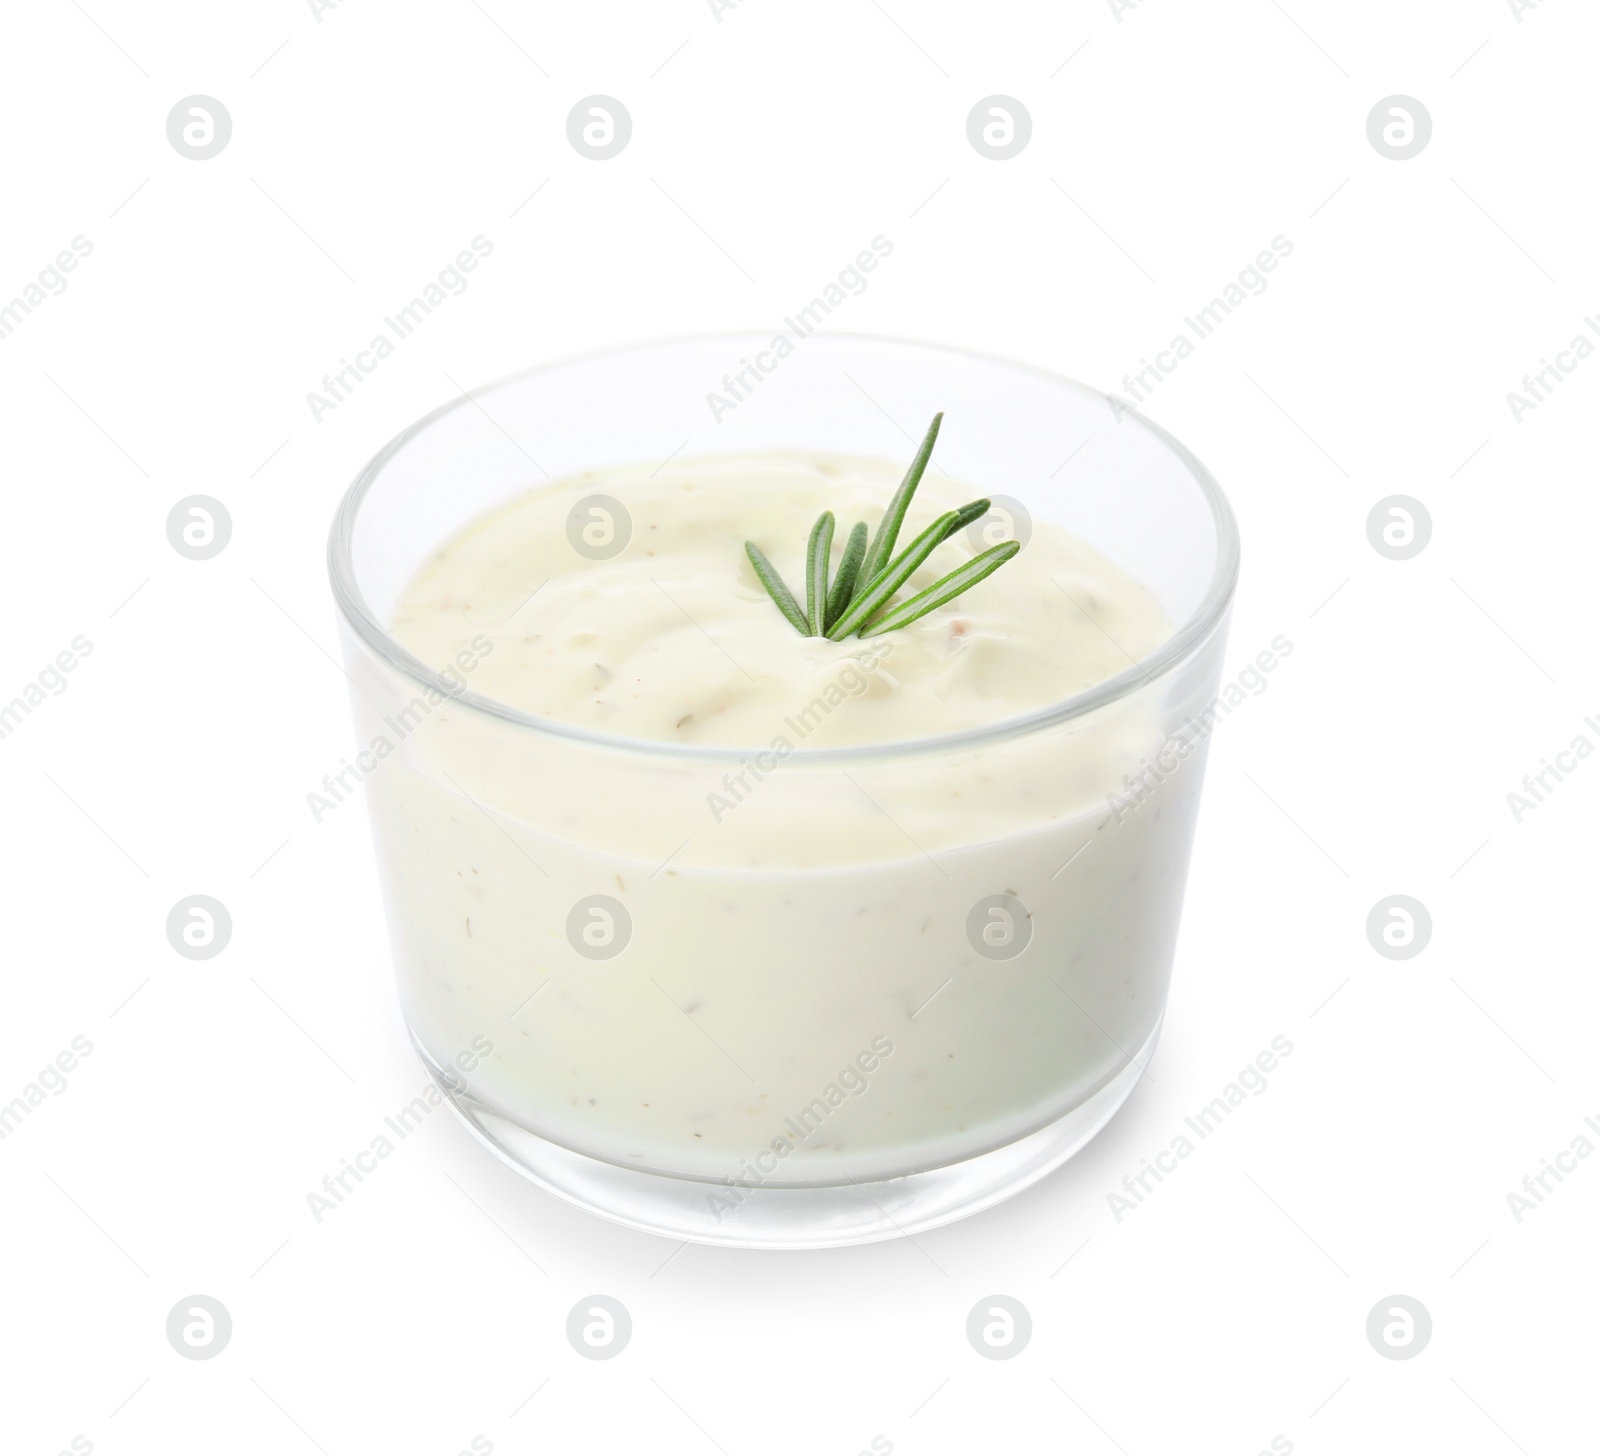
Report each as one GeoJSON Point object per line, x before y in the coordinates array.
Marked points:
{"type": "Point", "coordinates": [732, 1028]}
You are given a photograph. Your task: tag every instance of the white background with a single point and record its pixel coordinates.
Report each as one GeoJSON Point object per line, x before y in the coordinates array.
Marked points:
{"type": "Point", "coordinates": [1170, 145]}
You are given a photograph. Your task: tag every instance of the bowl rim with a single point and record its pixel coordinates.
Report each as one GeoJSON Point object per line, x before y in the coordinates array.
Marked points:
{"type": "Point", "coordinates": [1211, 611]}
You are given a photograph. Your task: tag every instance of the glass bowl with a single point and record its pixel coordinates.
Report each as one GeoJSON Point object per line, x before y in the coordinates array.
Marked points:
{"type": "Point", "coordinates": [751, 1027]}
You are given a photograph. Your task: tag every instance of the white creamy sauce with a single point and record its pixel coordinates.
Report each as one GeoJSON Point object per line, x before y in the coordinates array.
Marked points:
{"type": "Point", "coordinates": [799, 999]}
{"type": "Point", "coordinates": [675, 640]}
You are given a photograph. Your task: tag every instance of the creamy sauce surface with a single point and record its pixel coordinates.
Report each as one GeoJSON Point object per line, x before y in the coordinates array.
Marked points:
{"type": "Point", "coordinates": [674, 639]}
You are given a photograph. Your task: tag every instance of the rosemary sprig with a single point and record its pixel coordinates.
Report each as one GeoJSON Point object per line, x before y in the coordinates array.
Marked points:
{"type": "Point", "coordinates": [869, 576]}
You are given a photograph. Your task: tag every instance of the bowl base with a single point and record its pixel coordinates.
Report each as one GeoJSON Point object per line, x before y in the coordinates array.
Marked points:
{"type": "Point", "coordinates": [831, 1216]}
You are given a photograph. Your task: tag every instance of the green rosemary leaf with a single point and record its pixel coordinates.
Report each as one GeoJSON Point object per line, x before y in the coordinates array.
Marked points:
{"type": "Point", "coordinates": [844, 584]}
{"type": "Point", "coordinates": [882, 548]}
{"type": "Point", "coordinates": [891, 578]}
{"type": "Point", "coordinates": [944, 589]}
{"type": "Point", "coordinates": [817, 551]}
{"type": "Point", "coordinates": [775, 587]}
{"type": "Point", "coordinates": [975, 511]}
